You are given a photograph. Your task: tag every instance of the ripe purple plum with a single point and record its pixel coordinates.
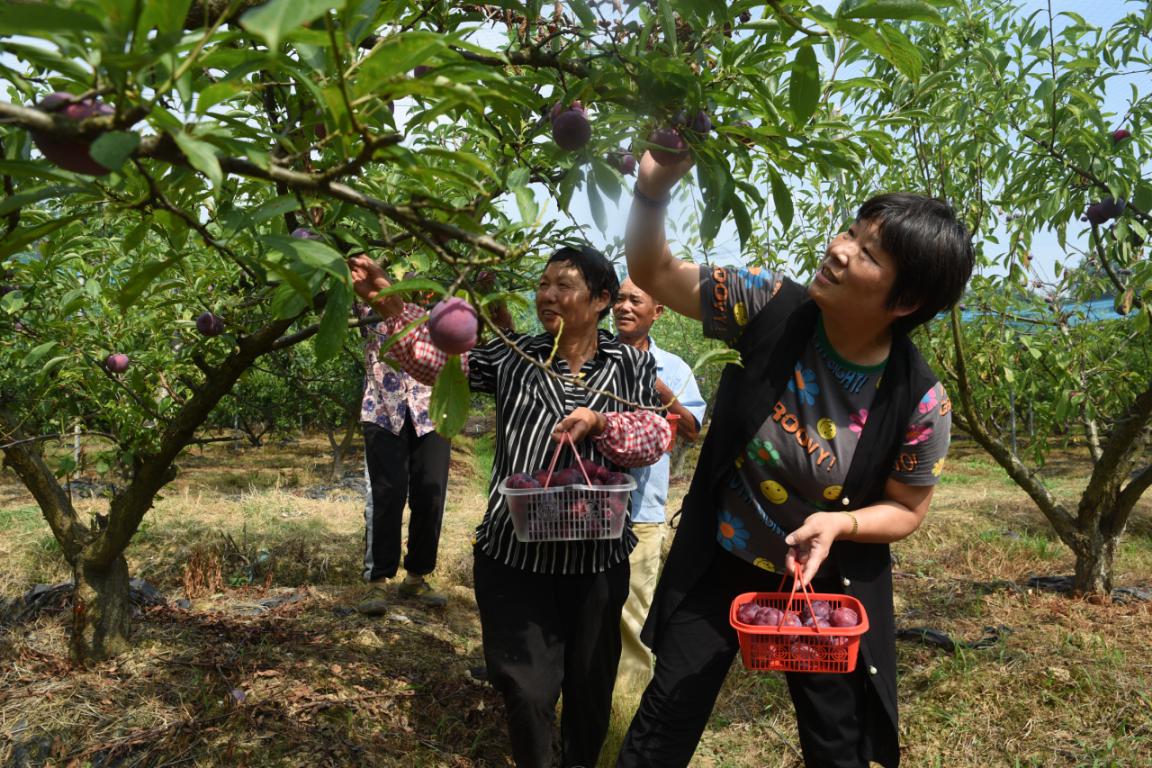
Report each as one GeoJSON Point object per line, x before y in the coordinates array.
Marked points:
{"type": "Point", "coordinates": [844, 617]}
{"type": "Point", "coordinates": [209, 324]}
{"type": "Point", "coordinates": [1099, 213]}
{"type": "Point", "coordinates": [701, 122]}
{"type": "Point", "coordinates": [117, 362]}
{"type": "Point", "coordinates": [303, 233]}
{"type": "Point", "coordinates": [420, 70]}
{"type": "Point", "coordinates": [71, 154]}
{"type": "Point", "coordinates": [791, 619]}
{"type": "Point", "coordinates": [568, 476]}
{"type": "Point", "coordinates": [571, 128]}
{"type": "Point", "coordinates": [769, 616]}
{"type": "Point", "coordinates": [616, 478]}
{"type": "Point", "coordinates": [453, 325]}
{"type": "Point", "coordinates": [821, 609]}
{"type": "Point", "coordinates": [625, 162]}
{"type": "Point", "coordinates": [1120, 134]}
{"type": "Point", "coordinates": [805, 656]}
{"type": "Point", "coordinates": [748, 613]}
{"type": "Point", "coordinates": [668, 147]}
{"type": "Point", "coordinates": [521, 481]}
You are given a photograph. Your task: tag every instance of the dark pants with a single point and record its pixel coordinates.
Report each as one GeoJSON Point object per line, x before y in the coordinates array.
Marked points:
{"type": "Point", "coordinates": [547, 635]}
{"type": "Point", "coordinates": [693, 655]}
{"type": "Point", "coordinates": [403, 468]}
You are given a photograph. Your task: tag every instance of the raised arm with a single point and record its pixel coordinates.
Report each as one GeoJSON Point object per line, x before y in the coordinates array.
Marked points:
{"type": "Point", "coordinates": [415, 352]}
{"type": "Point", "coordinates": [651, 265]}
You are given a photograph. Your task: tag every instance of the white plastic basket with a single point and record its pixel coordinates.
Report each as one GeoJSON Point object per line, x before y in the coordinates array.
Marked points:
{"type": "Point", "coordinates": [579, 512]}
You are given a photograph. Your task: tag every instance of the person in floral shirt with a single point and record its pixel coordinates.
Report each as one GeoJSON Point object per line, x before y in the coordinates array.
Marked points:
{"type": "Point", "coordinates": [405, 462]}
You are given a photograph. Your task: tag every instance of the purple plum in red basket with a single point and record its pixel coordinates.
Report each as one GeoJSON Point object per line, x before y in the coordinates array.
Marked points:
{"type": "Point", "coordinates": [792, 619]}
{"type": "Point", "coordinates": [748, 613]}
{"type": "Point", "coordinates": [804, 655]}
{"type": "Point", "coordinates": [844, 617]}
{"type": "Point", "coordinates": [817, 622]}
{"type": "Point", "coordinates": [769, 616]}
{"type": "Point", "coordinates": [821, 609]}
{"type": "Point", "coordinates": [522, 480]}
{"type": "Point", "coordinates": [541, 476]}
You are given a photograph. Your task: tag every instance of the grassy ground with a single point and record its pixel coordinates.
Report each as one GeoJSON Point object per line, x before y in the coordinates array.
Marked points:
{"type": "Point", "coordinates": [266, 665]}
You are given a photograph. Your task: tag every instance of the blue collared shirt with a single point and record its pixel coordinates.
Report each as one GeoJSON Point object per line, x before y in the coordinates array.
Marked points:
{"type": "Point", "coordinates": [651, 492]}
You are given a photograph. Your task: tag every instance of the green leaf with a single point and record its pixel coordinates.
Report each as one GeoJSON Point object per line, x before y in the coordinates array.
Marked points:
{"type": "Point", "coordinates": [47, 18]}
{"type": "Point", "coordinates": [395, 55]}
{"type": "Point", "coordinates": [275, 19]}
{"type": "Point", "coordinates": [309, 253]}
{"type": "Point", "coordinates": [448, 405]}
{"type": "Point", "coordinates": [525, 200]}
{"type": "Point", "coordinates": [782, 197]}
{"type": "Point", "coordinates": [804, 85]}
{"type": "Point", "coordinates": [596, 206]}
{"type": "Point", "coordinates": [668, 21]}
{"type": "Point", "coordinates": [913, 10]}
{"type": "Point", "coordinates": [201, 155]}
{"type": "Point", "coordinates": [112, 149]}
{"type": "Point", "coordinates": [718, 356]}
{"type": "Point", "coordinates": [334, 324]}
{"type": "Point", "coordinates": [19, 200]}
{"type": "Point", "coordinates": [136, 284]}
{"type": "Point", "coordinates": [15, 241]}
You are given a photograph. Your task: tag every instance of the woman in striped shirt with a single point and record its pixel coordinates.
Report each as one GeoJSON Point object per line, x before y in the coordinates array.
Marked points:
{"type": "Point", "coordinates": [549, 611]}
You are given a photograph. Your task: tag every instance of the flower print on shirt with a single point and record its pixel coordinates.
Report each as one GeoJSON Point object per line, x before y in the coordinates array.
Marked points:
{"type": "Point", "coordinates": [917, 433]}
{"type": "Point", "coordinates": [857, 420]}
{"type": "Point", "coordinates": [928, 402]}
{"type": "Point", "coordinates": [391, 382]}
{"type": "Point", "coordinates": [754, 278]}
{"type": "Point", "coordinates": [803, 383]}
{"type": "Point", "coordinates": [733, 534]}
{"type": "Point", "coordinates": [763, 452]}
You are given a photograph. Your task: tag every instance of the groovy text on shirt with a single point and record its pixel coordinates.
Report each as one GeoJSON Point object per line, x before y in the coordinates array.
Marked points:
{"type": "Point", "coordinates": [791, 424]}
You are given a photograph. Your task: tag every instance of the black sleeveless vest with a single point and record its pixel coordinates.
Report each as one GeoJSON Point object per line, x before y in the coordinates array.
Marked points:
{"type": "Point", "coordinates": [769, 348]}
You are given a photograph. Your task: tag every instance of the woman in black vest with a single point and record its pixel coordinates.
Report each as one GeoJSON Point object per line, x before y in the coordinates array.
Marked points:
{"type": "Point", "coordinates": [824, 448]}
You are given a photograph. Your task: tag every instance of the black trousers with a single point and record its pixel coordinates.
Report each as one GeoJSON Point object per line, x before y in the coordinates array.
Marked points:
{"type": "Point", "coordinates": [403, 469]}
{"type": "Point", "coordinates": [547, 635]}
{"type": "Point", "coordinates": [693, 655]}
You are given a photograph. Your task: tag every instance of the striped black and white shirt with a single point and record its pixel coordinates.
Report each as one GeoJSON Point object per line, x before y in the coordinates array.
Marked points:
{"type": "Point", "coordinates": [529, 404]}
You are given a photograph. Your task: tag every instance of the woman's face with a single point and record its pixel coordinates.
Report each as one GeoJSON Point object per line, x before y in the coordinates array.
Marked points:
{"type": "Point", "coordinates": [856, 276]}
{"type": "Point", "coordinates": [563, 299]}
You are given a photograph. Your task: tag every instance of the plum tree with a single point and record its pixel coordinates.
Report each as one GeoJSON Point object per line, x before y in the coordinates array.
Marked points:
{"type": "Point", "coordinates": [229, 140]}
{"type": "Point", "coordinates": [453, 326]}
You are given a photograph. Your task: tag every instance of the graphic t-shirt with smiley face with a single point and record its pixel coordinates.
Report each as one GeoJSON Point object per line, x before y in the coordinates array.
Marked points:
{"type": "Point", "coordinates": [797, 461]}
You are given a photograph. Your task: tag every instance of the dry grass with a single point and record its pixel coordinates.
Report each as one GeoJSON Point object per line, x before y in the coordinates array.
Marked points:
{"type": "Point", "coordinates": [267, 666]}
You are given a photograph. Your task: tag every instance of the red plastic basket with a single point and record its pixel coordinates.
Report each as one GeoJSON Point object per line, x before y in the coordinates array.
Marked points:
{"type": "Point", "coordinates": [779, 648]}
{"type": "Point", "coordinates": [582, 512]}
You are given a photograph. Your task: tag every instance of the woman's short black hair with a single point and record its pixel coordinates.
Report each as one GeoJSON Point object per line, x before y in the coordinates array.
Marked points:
{"type": "Point", "coordinates": [931, 248]}
{"type": "Point", "coordinates": [599, 274]}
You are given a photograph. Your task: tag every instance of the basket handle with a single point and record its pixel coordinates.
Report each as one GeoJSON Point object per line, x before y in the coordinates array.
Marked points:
{"type": "Point", "coordinates": [806, 591]}
{"type": "Point", "coordinates": [567, 439]}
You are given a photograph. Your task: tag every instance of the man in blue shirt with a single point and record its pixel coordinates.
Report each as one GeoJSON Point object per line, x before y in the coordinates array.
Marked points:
{"type": "Point", "coordinates": [634, 313]}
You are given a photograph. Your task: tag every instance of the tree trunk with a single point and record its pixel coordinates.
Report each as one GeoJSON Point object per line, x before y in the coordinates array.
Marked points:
{"type": "Point", "coordinates": [1094, 565]}
{"type": "Point", "coordinates": [101, 611]}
